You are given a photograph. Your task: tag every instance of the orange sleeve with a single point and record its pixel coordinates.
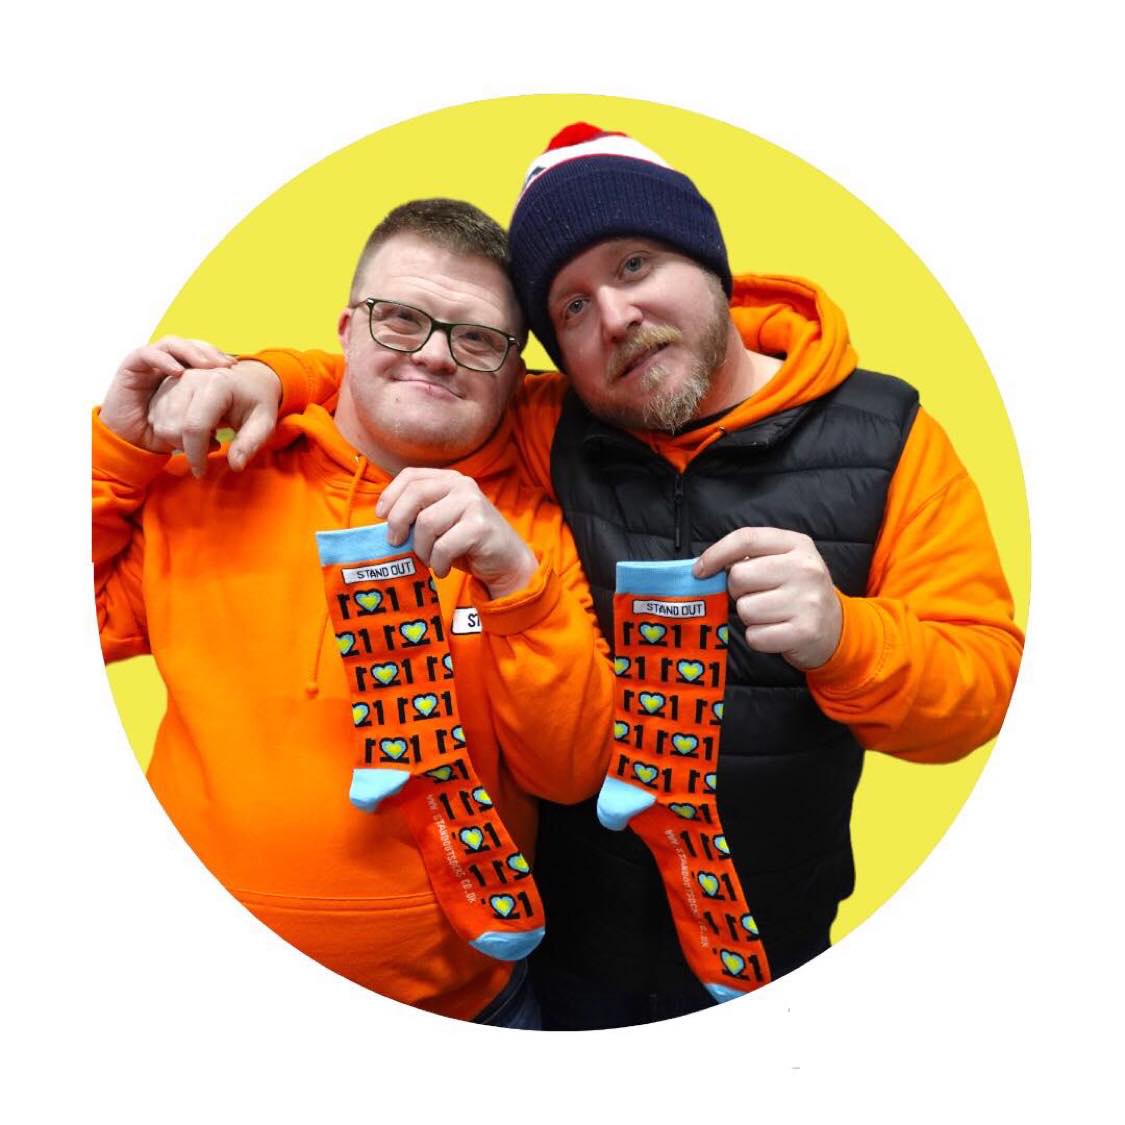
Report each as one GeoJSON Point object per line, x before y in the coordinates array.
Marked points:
{"type": "Point", "coordinates": [306, 377]}
{"type": "Point", "coordinates": [552, 698]}
{"type": "Point", "coordinates": [927, 660]}
{"type": "Point", "coordinates": [536, 408]}
{"type": "Point", "coordinates": [121, 475]}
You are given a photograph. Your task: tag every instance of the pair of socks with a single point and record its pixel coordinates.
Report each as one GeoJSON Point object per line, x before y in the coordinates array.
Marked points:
{"type": "Point", "coordinates": [671, 632]}
{"type": "Point", "coordinates": [412, 749]}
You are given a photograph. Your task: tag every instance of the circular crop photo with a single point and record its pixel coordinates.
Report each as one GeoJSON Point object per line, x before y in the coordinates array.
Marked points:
{"type": "Point", "coordinates": [561, 562]}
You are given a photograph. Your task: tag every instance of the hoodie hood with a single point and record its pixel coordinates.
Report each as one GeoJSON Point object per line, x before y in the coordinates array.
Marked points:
{"type": "Point", "coordinates": [786, 317]}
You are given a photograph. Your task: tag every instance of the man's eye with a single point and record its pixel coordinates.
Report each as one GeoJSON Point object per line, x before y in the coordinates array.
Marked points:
{"type": "Point", "coordinates": [573, 308]}
{"type": "Point", "coordinates": [633, 264]}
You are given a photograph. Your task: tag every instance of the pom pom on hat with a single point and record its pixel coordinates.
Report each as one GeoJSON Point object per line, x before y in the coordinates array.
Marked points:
{"type": "Point", "coordinates": [591, 185]}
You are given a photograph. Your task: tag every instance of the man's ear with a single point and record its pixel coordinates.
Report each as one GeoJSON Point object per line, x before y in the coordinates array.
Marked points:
{"type": "Point", "coordinates": [342, 327]}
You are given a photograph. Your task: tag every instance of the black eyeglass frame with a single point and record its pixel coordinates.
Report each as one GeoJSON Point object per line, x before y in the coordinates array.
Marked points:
{"type": "Point", "coordinates": [444, 326]}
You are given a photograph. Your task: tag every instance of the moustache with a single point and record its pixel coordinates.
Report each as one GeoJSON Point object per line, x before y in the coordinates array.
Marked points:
{"type": "Point", "coordinates": [647, 338]}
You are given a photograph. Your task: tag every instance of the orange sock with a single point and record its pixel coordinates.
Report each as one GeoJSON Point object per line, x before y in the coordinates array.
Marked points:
{"type": "Point", "coordinates": [389, 634]}
{"type": "Point", "coordinates": [671, 636]}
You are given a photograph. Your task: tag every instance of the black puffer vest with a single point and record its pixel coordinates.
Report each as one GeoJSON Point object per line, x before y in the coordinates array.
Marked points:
{"type": "Point", "coordinates": [787, 773]}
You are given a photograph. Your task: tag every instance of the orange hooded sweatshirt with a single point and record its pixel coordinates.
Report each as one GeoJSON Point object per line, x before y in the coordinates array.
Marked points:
{"type": "Point", "coordinates": [928, 657]}
{"type": "Point", "coordinates": [220, 580]}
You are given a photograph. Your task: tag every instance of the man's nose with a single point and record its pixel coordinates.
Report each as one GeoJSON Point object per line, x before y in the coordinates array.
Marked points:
{"type": "Point", "coordinates": [618, 312]}
{"type": "Point", "coordinates": [434, 355]}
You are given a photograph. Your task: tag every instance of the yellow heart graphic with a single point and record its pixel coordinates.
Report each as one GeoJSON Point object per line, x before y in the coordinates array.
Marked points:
{"type": "Point", "coordinates": [359, 713]}
{"type": "Point", "coordinates": [620, 730]}
{"type": "Point", "coordinates": [690, 670]}
{"type": "Point", "coordinates": [472, 838]}
{"type": "Point", "coordinates": [480, 795]}
{"type": "Point", "coordinates": [413, 631]}
{"type": "Point", "coordinates": [651, 701]}
{"type": "Point", "coordinates": [502, 904]}
{"type": "Point", "coordinates": [345, 642]}
{"type": "Point", "coordinates": [647, 774]}
{"type": "Point", "coordinates": [732, 962]}
{"type": "Point", "coordinates": [684, 743]}
{"type": "Point", "coordinates": [652, 633]}
{"type": "Point", "coordinates": [709, 883]}
{"type": "Point", "coordinates": [518, 863]}
{"type": "Point", "coordinates": [621, 665]}
{"type": "Point", "coordinates": [384, 673]}
{"type": "Point", "coordinates": [425, 705]}
{"type": "Point", "coordinates": [368, 600]}
{"type": "Point", "coordinates": [394, 748]}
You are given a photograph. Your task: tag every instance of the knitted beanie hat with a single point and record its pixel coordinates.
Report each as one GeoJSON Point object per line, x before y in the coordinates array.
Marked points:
{"type": "Point", "coordinates": [589, 186]}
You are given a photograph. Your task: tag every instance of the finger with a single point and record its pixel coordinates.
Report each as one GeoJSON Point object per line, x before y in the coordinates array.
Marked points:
{"type": "Point", "coordinates": [419, 494]}
{"type": "Point", "coordinates": [750, 576]}
{"type": "Point", "coordinates": [771, 607]}
{"type": "Point", "coordinates": [745, 543]}
{"type": "Point", "coordinates": [404, 478]}
{"type": "Point", "coordinates": [205, 414]}
{"type": "Point", "coordinates": [253, 432]}
{"type": "Point", "coordinates": [772, 638]}
{"type": "Point", "coordinates": [193, 353]}
{"type": "Point", "coordinates": [150, 366]}
{"type": "Point", "coordinates": [432, 522]}
{"type": "Point", "coordinates": [217, 357]}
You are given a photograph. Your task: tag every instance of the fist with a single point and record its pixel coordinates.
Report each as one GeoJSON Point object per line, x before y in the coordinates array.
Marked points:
{"type": "Point", "coordinates": [782, 591]}
{"type": "Point", "coordinates": [455, 525]}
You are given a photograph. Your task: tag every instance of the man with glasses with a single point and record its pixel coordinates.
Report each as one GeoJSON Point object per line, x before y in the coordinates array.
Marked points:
{"type": "Point", "coordinates": [221, 582]}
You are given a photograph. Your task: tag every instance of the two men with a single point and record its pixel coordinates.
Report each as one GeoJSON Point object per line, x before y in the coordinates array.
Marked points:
{"type": "Point", "coordinates": [221, 581]}
{"type": "Point", "coordinates": [725, 417]}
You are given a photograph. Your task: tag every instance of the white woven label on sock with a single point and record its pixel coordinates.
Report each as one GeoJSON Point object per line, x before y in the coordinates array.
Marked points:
{"type": "Point", "coordinates": [380, 572]}
{"type": "Point", "coordinates": [669, 609]}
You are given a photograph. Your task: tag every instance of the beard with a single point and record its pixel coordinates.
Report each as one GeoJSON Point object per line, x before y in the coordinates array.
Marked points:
{"type": "Point", "coordinates": [654, 406]}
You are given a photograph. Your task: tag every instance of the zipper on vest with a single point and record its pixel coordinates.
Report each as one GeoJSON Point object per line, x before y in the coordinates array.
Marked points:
{"type": "Point", "coordinates": [677, 509]}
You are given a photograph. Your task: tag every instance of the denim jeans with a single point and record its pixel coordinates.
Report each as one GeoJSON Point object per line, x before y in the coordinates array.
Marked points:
{"type": "Point", "coordinates": [515, 1005]}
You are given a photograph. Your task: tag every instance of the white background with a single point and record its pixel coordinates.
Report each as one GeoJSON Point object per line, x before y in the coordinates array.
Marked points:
{"type": "Point", "coordinates": [134, 990]}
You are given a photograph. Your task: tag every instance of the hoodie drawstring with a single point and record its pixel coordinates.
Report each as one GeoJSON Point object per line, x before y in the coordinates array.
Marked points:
{"type": "Point", "coordinates": [312, 687]}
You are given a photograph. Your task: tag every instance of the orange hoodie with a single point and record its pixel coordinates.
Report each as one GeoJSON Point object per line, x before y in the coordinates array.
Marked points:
{"type": "Point", "coordinates": [219, 579]}
{"type": "Point", "coordinates": [928, 658]}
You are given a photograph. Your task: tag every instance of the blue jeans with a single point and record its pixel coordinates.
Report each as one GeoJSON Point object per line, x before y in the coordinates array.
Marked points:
{"type": "Point", "coordinates": [515, 1005]}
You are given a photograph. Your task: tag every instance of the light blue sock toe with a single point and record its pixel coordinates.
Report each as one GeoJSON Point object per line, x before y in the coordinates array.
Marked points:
{"type": "Point", "coordinates": [508, 947]}
{"type": "Point", "coordinates": [723, 992]}
{"type": "Point", "coordinates": [619, 802]}
{"type": "Point", "coordinates": [371, 786]}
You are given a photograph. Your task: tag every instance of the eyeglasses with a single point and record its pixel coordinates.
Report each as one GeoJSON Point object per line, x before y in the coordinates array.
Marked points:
{"type": "Point", "coordinates": [403, 328]}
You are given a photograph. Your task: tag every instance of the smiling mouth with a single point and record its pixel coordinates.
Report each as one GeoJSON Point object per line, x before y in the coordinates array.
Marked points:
{"type": "Point", "coordinates": [431, 386]}
{"type": "Point", "coordinates": [631, 364]}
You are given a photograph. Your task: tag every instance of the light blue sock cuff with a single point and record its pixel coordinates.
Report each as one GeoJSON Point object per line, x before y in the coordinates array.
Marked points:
{"type": "Point", "coordinates": [672, 579]}
{"type": "Point", "coordinates": [359, 544]}
{"type": "Point", "coordinates": [722, 992]}
{"type": "Point", "coordinates": [371, 786]}
{"type": "Point", "coordinates": [508, 946]}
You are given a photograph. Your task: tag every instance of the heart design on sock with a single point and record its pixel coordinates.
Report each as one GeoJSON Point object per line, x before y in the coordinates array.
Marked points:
{"type": "Point", "coordinates": [709, 782]}
{"type": "Point", "coordinates": [732, 962]}
{"type": "Point", "coordinates": [425, 705]}
{"type": "Point", "coordinates": [458, 735]}
{"type": "Point", "coordinates": [647, 774]}
{"type": "Point", "coordinates": [360, 711]}
{"type": "Point", "coordinates": [413, 631]}
{"type": "Point", "coordinates": [709, 883]}
{"type": "Point", "coordinates": [651, 701]}
{"type": "Point", "coordinates": [683, 809]}
{"type": "Point", "coordinates": [440, 773]}
{"type": "Point", "coordinates": [393, 748]}
{"type": "Point", "coordinates": [689, 670]}
{"type": "Point", "coordinates": [620, 730]}
{"type": "Point", "coordinates": [345, 642]}
{"type": "Point", "coordinates": [502, 904]}
{"type": "Point", "coordinates": [518, 863]}
{"type": "Point", "coordinates": [621, 665]}
{"type": "Point", "coordinates": [651, 633]}
{"type": "Point", "coordinates": [749, 925]}
{"type": "Point", "coordinates": [684, 743]}
{"type": "Point", "coordinates": [368, 600]}
{"type": "Point", "coordinates": [472, 838]}
{"type": "Point", "coordinates": [721, 845]}
{"type": "Point", "coordinates": [480, 795]}
{"type": "Point", "coordinates": [447, 660]}
{"type": "Point", "coordinates": [723, 633]}
{"type": "Point", "coordinates": [717, 709]}
{"type": "Point", "coordinates": [385, 673]}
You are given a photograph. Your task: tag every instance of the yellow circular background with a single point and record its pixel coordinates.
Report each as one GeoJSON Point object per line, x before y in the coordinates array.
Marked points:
{"type": "Point", "coordinates": [282, 275]}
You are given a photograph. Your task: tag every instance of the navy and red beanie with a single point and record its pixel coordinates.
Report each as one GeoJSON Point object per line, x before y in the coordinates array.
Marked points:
{"type": "Point", "coordinates": [591, 185]}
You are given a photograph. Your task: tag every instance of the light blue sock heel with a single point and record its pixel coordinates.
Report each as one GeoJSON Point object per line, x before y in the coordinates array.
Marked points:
{"type": "Point", "coordinates": [372, 786]}
{"type": "Point", "coordinates": [619, 802]}
{"type": "Point", "coordinates": [508, 947]}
